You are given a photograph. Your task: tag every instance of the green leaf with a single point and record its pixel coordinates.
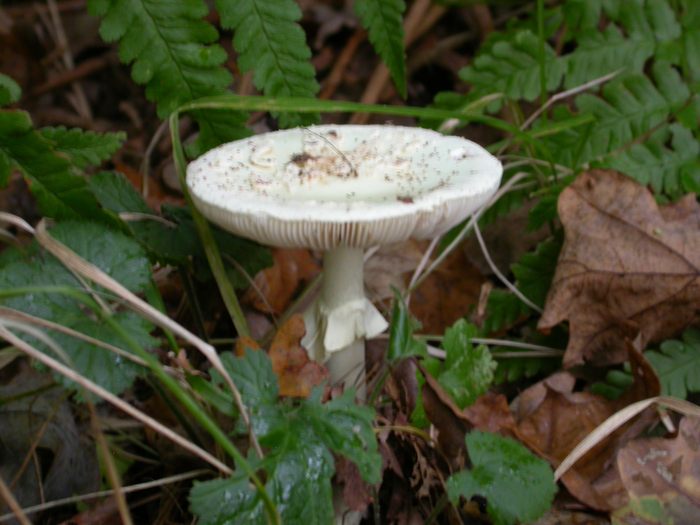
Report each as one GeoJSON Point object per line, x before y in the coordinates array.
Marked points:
{"type": "Point", "coordinates": [517, 485]}
{"type": "Point", "coordinates": [115, 254]}
{"type": "Point", "coordinates": [678, 364]}
{"type": "Point", "coordinates": [468, 370]}
{"type": "Point", "coordinates": [511, 66]}
{"type": "Point", "coordinates": [171, 51]}
{"type": "Point", "coordinates": [227, 501]}
{"type": "Point", "coordinates": [401, 340]}
{"type": "Point", "coordinates": [626, 110]}
{"type": "Point", "coordinates": [383, 21]}
{"type": "Point", "coordinates": [671, 170]}
{"type": "Point", "coordinates": [9, 90]}
{"type": "Point", "coordinates": [252, 375]}
{"type": "Point", "coordinates": [504, 309]}
{"type": "Point", "coordinates": [84, 147]}
{"type": "Point", "coordinates": [602, 52]}
{"type": "Point", "coordinates": [116, 193]}
{"type": "Point", "coordinates": [179, 245]}
{"type": "Point", "coordinates": [60, 193]}
{"type": "Point", "coordinates": [273, 45]}
{"type": "Point", "coordinates": [584, 14]}
{"type": "Point", "coordinates": [299, 463]}
{"type": "Point", "coordinates": [535, 270]}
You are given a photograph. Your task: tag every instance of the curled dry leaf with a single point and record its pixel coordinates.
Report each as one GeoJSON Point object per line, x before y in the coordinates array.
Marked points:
{"type": "Point", "coordinates": [664, 476]}
{"type": "Point", "coordinates": [296, 372]}
{"type": "Point", "coordinates": [280, 282]}
{"type": "Point", "coordinates": [626, 264]}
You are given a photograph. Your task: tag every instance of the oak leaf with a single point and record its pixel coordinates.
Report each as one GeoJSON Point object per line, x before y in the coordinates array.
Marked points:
{"type": "Point", "coordinates": [627, 265]}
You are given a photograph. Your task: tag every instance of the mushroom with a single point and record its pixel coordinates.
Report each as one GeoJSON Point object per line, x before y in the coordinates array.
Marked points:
{"type": "Point", "coordinates": [342, 189]}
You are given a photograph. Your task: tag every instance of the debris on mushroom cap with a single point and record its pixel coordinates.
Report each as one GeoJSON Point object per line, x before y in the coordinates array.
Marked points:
{"type": "Point", "coordinates": [328, 186]}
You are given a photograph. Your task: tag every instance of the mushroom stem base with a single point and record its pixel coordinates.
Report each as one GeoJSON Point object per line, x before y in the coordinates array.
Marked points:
{"type": "Point", "coordinates": [348, 366]}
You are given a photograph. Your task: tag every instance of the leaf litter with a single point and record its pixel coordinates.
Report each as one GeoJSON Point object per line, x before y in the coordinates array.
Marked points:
{"type": "Point", "coordinates": [635, 285]}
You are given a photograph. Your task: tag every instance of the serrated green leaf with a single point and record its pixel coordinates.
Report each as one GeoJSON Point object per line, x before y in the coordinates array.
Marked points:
{"type": "Point", "coordinates": [383, 21]}
{"type": "Point", "coordinates": [271, 43]}
{"type": "Point", "coordinates": [345, 428]}
{"type": "Point", "coordinates": [671, 170]}
{"type": "Point", "coordinates": [517, 485]}
{"type": "Point", "coordinates": [172, 52]}
{"type": "Point", "coordinates": [116, 193]}
{"type": "Point", "coordinates": [468, 370]}
{"type": "Point", "coordinates": [229, 501]}
{"type": "Point", "coordinates": [299, 463]}
{"type": "Point", "coordinates": [252, 375]}
{"type": "Point", "coordinates": [678, 364]}
{"type": "Point", "coordinates": [511, 66]}
{"type": "Point", "coordinates": [535, 270]}
{"type": "Point", "coordinates": [60, 193]}
{"type": "Point", "coordinates": [9, 90]}
{"type": "Point", "coordinates": [84, 147]}
{"type": "Point", "coordinates": [115, 254]}
{"type": "Point", "coordinates": [179, 245]}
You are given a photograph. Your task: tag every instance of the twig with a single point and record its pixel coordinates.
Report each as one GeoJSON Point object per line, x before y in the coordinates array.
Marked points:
{"type": "Point", "coordinates": [465, 230]}
{"type": "Point", "coordinates": [12, 502]}
{"type": "Point", "coordinates": [335, 77]}
{"type": "Point", "coordinates": [421, 265]}
{"type": "Point", "coordinates": [570, 92]}
{"type": "Point", "coordinates": [146, 164]}
{"type": "Point", "coordinates": [498, 273]}
{"type": "Point", "coordinates": [81, 103]}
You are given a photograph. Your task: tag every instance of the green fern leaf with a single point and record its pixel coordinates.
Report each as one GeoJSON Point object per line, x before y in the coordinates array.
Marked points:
{"type": "Point", "coordinates": [602, 52]}
{"type": "Point", "coordinates": [535, 270]}
{"type": "Point", "coordinates": [673, 170]}
{"type": "Point", "coordinates": [383, 21]}
{"type": "Point", "coordinates": [171, 52]}
{"type": "Point", "coordinates": [626, 111]}
{"type": "Point", "coordinates": [585, 14]}
{"type": "Point", "coordinates": [84, 147]}
{"type": "Point", "coordinates": [678, 364]}
{"type": "Point", "coordinates": [60, 193]}
{"type": "Point", "coordinates": [504, 309]}
{"type": "Point", "coordinates": [511, 66]}
{"type": "Point", "coordinates": [645, 24]}
{"type": "Point", "coordinates": [690, 21]}
{"type": "Point", "coordinates": [273, 45]}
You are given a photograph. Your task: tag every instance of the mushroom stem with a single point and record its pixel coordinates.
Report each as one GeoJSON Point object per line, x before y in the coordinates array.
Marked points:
{"type": "Point", "coordinates": [343, 290]}
{"type": "Point", "coordinates": [340, 320]}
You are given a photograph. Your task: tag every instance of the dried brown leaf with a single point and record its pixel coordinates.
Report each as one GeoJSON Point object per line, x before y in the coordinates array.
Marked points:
{"type": "Point", "coordinates": [626, 264]}
{"type": "Point", "coordinates": [297, 373]}
{"type": "Point", "coordinates": [667, 470]}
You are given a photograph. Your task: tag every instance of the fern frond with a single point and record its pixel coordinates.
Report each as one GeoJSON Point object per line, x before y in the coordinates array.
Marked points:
{"type": "Point", "coordinates": [627, 110]}
{"type": "Point", "coordinates": [84, 147]}
{"type": "Point", "coordinates": [172, 52]}
{"type": "Point", "coordinates": [674, 170]}
{"type": "Point", "coordinates": [273, 45]}
{"type": "Point", "coordinates": [690, 22]}
{"type": "Point", "coordinates": [60, 193]}
{"type": "Point", "coordinates": [602, 52]}
{"type": "Point", "coordinates": [535, 270]}
{"type": "Point", "coordinates": [504, 309]}
{"type": "Point", "coordinates": [678, 364]}
{"type": "Point", "coordinates": [383, 21]}
{"type": "Point", "coordinates": [643, 26]}
{"type": "Point", "coordinates": [585, 14]}
{"type": "Point", "coordinates": [511, 66]}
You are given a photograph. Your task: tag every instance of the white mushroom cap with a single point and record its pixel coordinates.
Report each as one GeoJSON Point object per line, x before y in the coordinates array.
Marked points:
{"type": "Point", "coordinates": [356, 186]}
